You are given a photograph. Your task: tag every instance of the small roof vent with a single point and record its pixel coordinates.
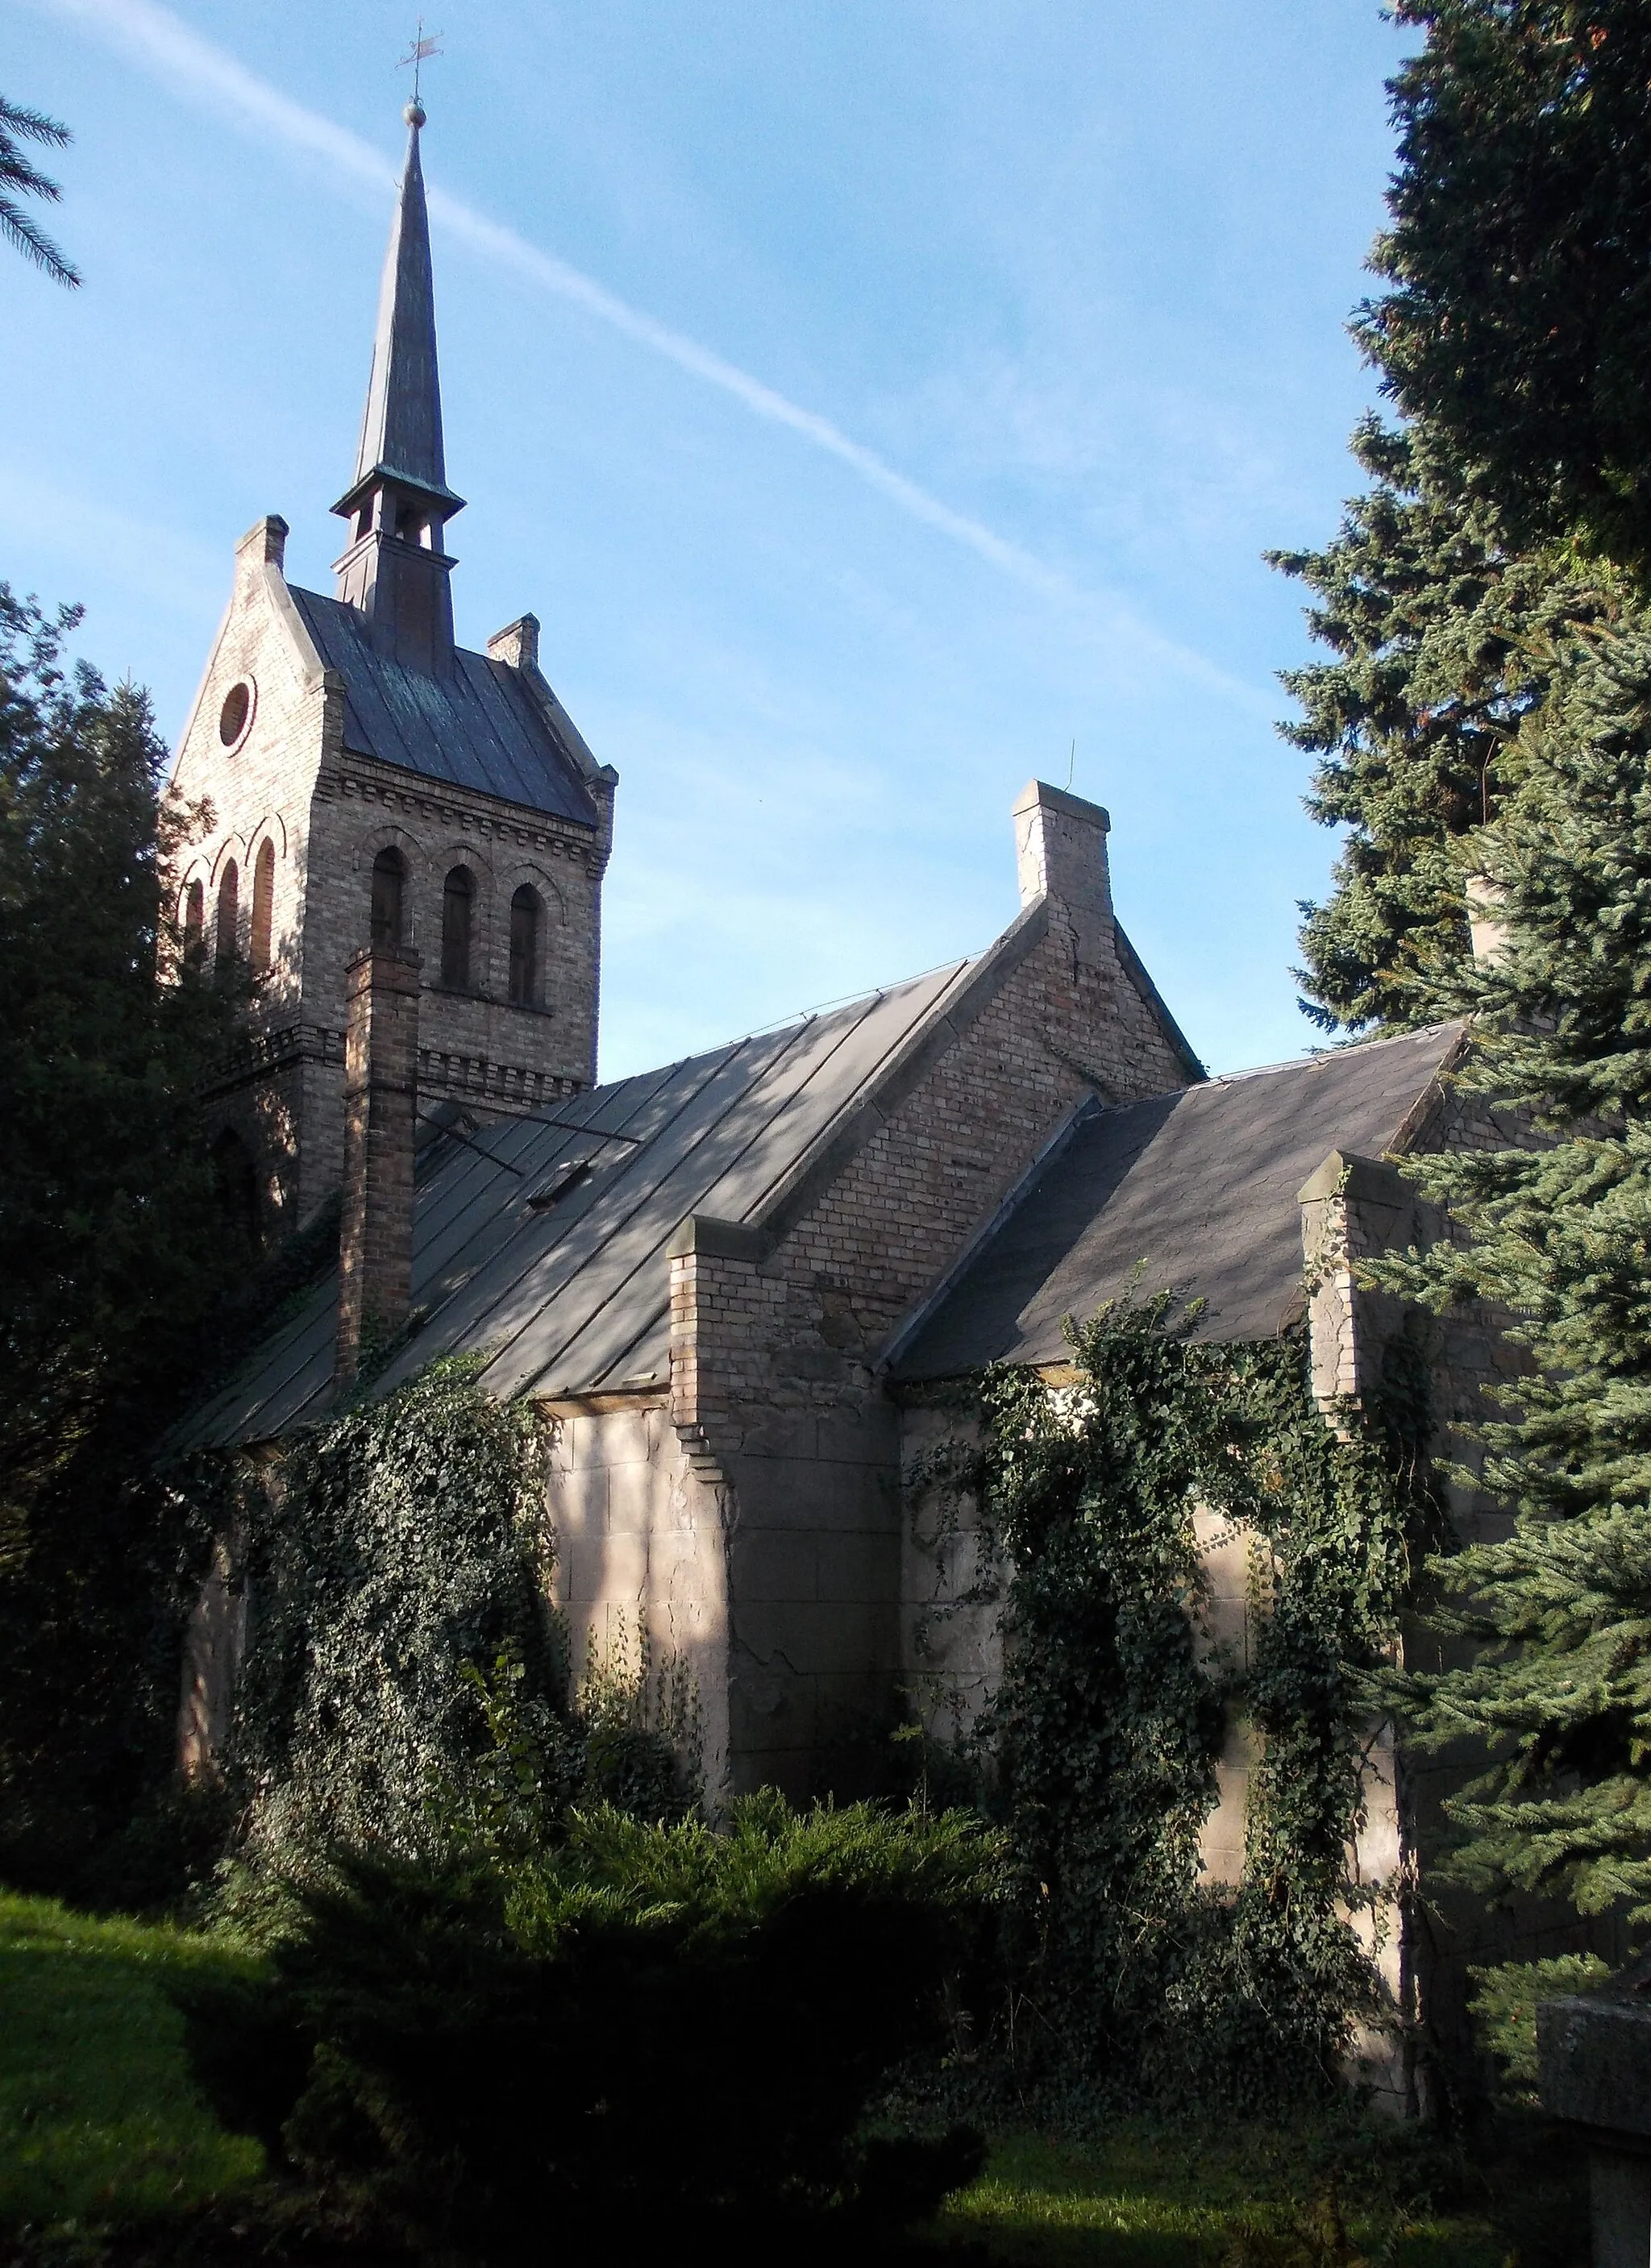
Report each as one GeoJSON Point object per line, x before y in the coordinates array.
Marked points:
{"type": "Point", "coordinates": [561, 1180]}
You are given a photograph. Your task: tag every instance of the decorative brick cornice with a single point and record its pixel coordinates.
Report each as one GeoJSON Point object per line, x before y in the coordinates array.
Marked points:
{"type": "Point", "coordinates": [261, 1055]}
{"type": "Point", "coordinates": [558, 838]}
{"type": "Point", "coordinates": [512, 1088]}
{"type": "Point", "coordinates": [507, 1086]}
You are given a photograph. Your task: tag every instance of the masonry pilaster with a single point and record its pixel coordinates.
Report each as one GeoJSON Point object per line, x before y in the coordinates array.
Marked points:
{"type": "Point", "coordinates": [1352, 1208]}
{"type": "Point", "coordinates": [723, 1317]}
{"type": "Point", "coordinates": [375, 1240]}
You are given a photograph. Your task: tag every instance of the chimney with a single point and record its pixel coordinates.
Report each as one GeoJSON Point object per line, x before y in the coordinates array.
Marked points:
{"type": "Point", "coordinates": [1061, 848]}
{"type": "Point", "coordinates": [517, 644]}
{"type": "Point", "coordinates": [263, 545]}
{"type": "Point", "coordinates": [375, 1237]}
{"type": "Point", "coordinates": [1486, 925]}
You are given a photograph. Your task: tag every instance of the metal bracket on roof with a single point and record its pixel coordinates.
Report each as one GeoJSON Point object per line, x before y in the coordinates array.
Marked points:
{"type": "Point", "coordinates": [636, 1141]}
{"type": "Point", "coordinates": [444, 1127]}
{"type": "Point", "coordinates": [458, 1134]}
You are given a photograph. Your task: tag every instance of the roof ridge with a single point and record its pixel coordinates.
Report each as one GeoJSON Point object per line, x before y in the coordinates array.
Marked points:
{"type": "Point", "coordinates": [1323, 1056]}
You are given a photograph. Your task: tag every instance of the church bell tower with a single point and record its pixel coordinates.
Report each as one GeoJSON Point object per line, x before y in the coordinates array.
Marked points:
{"type": "Point", "coordinates": [364, 778]}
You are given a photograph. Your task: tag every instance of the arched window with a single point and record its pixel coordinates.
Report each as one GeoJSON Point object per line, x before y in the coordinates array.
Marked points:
{"type": "Point", "coordinates": [262, 905]}
{"type": "Point", "coordinates": [526, 909]}
{"type": "Point", "coordinates": [229, 915]}
{"type": "Point", "coordinates": [389, 878]}
{"type": "Point", "coordinates": [457, 909]}
{"type": "Point", "coordinates": [194, 924]}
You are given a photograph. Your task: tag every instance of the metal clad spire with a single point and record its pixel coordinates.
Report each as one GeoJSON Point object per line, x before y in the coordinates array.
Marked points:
{"type": "Point", "coordinates": [395, 568]}
{"type": "Point", "coordinates": [400, 433]}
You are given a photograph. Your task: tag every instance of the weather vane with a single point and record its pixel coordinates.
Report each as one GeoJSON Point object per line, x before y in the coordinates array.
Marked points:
{"type": "Point", "coordinates": [421, 48]}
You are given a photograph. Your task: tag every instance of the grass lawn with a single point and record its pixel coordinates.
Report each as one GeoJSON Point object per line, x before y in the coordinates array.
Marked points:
{"type": "Point", "coordinates": [101, 2125]}
{"type": "Point", "coordinates": [102, 2133]}
{"type": "Point", "coordinates": [1316, 2197]}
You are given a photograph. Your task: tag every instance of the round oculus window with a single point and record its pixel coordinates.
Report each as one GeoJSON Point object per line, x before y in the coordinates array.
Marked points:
{"type": "Point", "coordinates": [236, 714]}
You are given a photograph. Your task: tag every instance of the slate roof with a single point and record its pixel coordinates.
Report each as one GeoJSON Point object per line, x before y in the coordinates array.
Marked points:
{"type": "Point", "coordinates": [575, 1296]}
{"type": "Point", "coordinates": [1199, 1184]}
{"type": "Point", "coordinates": [478, 728]}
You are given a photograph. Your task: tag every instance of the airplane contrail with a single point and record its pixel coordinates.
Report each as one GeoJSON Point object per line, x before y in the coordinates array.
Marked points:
{"type": "Point", "coordinates": [160, 41]}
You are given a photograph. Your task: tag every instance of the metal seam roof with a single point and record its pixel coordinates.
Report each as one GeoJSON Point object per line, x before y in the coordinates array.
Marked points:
{"type": "Point", "coordinates": [1201, 1181]}
{"type": "Point", "coordinates": [478, 728]}
{"type": "Point", "coordinates": [557, 1300]}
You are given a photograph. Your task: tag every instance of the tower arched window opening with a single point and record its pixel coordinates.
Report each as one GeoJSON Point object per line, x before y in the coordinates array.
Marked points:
{"type": "Point", "coordinates": [229, 915]}
{"type": "Point", "coordinates": [194, 923]}
{"type": "Point", "coordinates": [458, 919]}
{"type": "Point", "coordinates": [526, 913]}
{"type": "Point", "coordinates": [263, 907]}
{"type": "Point", "coordinates": [389, 890]}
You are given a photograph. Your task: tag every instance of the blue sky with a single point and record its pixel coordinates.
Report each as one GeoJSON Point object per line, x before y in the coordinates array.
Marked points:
{"type": "Point", "coordinates": [871, 399]}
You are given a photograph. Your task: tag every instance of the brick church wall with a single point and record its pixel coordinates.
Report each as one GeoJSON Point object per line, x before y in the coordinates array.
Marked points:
{"type": "Point", "coordinates": [777, 1329]}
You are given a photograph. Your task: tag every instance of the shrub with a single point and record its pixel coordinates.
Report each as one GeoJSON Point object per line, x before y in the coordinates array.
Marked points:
{"type": "Point", "coordinates": [633, 2019]}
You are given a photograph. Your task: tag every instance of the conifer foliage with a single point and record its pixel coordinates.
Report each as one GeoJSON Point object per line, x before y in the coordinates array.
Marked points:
{"type": "Point", "coordinates": [20, 176]}
{"type": "Point", "coordinates": [1444, 641]}
{"type": "Point", "coordinates": [1558, 1689]}
{"type": "Point", "coordinates": [113, 1252]}
{"type": "Point", "coordinates": [1518, 326]}
{"type": "Point", "coordinates": [1487, 711]}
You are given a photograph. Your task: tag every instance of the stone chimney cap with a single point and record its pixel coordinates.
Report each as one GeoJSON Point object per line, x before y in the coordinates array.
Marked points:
{"type": "Point", "coordinates": [388, 967]}
{"type": "Point", "coordinates": [267, 539]}
{"type": "Point", "coordinates": [517, 644]}
{"type": "Point", "coordinates": [1039, 795]}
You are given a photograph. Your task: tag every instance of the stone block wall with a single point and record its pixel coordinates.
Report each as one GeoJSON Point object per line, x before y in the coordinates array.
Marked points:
{"type": "Point", "coordinates": [640, 1532]}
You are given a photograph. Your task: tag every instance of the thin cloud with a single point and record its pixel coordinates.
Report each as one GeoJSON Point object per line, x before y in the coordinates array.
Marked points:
{"type": "Point", "coordinates": [182, 59]}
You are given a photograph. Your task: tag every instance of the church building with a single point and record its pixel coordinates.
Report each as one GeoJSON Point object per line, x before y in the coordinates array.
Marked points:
{"type": "Point", "coordinates": [737, 1285]}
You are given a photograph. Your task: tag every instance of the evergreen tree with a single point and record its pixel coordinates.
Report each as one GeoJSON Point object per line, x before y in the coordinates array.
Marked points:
{"type": "Point", "coordinates": [1444, 640]}
{"type": "Point", "coordinates": [1518, 326]}
{"type": "Point", "coordinates": [20, 176]}
{"type": "Point", "coordinates": [1557, 1690]}
{"type": "Point", "coordinates": [113, 1252]}
{"type": "Point", "coordinates": [1487, 709]}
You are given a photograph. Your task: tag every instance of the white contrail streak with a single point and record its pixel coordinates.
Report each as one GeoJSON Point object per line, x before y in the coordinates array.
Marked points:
{"type": "Point", "coordinates": [160, 42]}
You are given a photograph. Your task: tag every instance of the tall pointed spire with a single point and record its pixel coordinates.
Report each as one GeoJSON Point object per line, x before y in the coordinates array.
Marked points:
{"type": "Point", "coordinates": [396, 568]}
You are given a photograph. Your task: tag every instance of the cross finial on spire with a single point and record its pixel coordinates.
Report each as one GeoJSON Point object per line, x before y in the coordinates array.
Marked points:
{"type": "Point", "coordinates": [418, 55]}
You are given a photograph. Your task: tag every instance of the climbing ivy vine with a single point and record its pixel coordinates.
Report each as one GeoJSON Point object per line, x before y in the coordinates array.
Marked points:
{"type": "Point", "coordinates": [406, 1682]}
{"type": "Point", "coordinates": [399, 1543]}
{"type": "Point", "coordinates": [1105, 1731]}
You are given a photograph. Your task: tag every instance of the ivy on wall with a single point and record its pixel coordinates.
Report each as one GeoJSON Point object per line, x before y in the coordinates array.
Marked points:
{"type": "Point", "coordinates": [406, 1678]}
{"type": "Point", "coordinates": [399, 1544]}
{"type": "Point", "coordinates": [1104, 1733]}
